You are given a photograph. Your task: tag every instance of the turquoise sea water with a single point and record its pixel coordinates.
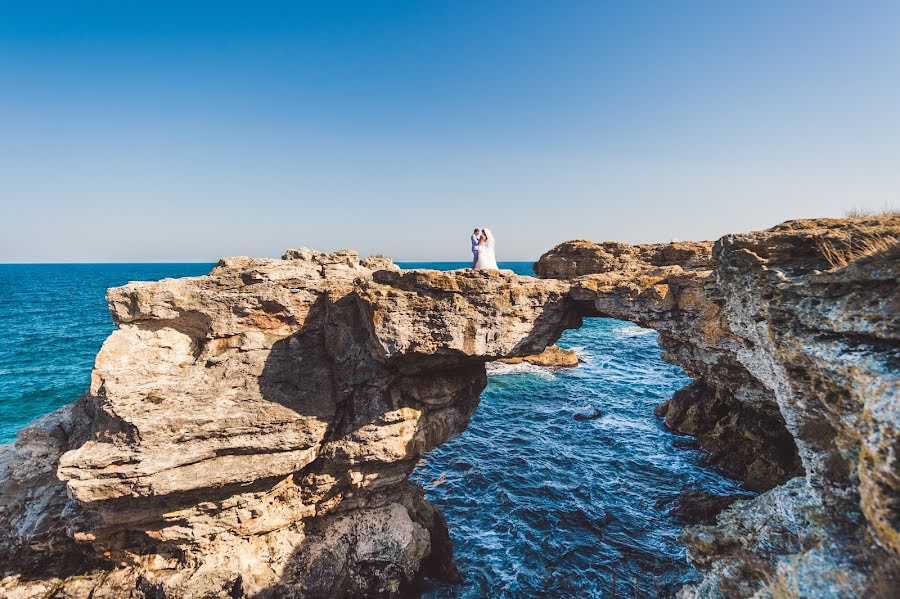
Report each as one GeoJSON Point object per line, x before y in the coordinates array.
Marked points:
{"type": "Point", "coordinates": [53, 320]}
{"type": "Point", "coordinates": [537, 502]}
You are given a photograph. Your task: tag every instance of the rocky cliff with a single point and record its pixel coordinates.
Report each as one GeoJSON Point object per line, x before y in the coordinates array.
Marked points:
{"type": "Point", "coordinates": [792, 336]}
{"type": "Point", "coordinates": [250, 433]}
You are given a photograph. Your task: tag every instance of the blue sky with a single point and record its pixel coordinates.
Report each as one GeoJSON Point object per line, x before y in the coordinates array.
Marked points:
{"type": "Point", "coordinates": [171, 132]}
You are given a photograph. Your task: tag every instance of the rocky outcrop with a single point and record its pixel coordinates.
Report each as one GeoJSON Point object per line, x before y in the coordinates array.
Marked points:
{"type": "Point", "coordinates": [250, 433]}
{"type": "Point", "coordinates": [552, 357]}
{"type": "Point", "coordinates": [572, 259]}
{"type": "Point", "coordinates": [696, 506]}
{"type": "Point", "coordinates": [672, 288]}
{"type": "Point", "coordinates": [792, 336]}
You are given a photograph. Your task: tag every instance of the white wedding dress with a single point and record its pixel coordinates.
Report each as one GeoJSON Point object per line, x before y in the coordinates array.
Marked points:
{"type": "Point", "coordinates": [487, 259]}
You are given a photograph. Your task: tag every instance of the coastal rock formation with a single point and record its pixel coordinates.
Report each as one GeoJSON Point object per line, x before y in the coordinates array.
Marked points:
{"type": "Point", "coordinates": [671, 288]}
{"type": "Point", "coordinates": [553, 357]}
{"type": "Point", "coordinates": [250, 433]}
{"type": "Point", "coordinates": [792, 336]}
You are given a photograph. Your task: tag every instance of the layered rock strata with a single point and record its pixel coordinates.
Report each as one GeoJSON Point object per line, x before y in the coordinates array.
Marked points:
{"type": "Point", "coordinates": [671, 288]}
{"type": "Point", "coordinates": [792, 336]}
{"type": "Point", "coordinates": [250, 433]}
{"type": "Point", "coordinates": [552, 357]}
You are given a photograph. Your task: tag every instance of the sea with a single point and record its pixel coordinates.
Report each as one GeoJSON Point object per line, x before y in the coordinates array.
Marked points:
{"type": "Point", "coordinates": [539, 503]}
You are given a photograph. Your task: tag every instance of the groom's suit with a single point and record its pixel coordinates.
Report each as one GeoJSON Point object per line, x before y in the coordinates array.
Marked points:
{"type": "Point", "coordinates": [475, 241]}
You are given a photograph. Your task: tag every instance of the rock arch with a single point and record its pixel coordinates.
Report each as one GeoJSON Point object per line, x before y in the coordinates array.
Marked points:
{"type": "Point", "coordinates": [251, 432]}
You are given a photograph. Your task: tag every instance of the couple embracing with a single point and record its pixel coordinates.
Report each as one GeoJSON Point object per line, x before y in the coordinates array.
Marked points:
{"type": "Point", "coordinates": [483, 257]}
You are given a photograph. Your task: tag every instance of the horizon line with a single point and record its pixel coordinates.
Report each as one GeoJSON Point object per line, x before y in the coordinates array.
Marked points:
{"type": "Point", "coordinates": [215, 261]}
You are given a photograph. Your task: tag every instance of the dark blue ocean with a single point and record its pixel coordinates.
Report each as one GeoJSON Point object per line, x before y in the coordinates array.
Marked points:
{"type": "Point", "coordinates": [537, 502]}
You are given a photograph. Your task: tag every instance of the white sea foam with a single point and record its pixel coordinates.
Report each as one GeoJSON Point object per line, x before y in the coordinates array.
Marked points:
{"type": "Point", "coordinates": [497, 368]}
{"type": "Point", "coordinates": [631, 331]}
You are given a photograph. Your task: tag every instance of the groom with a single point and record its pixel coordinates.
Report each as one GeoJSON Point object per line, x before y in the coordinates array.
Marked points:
{"type": "Point", "coordinates": [476, 239]}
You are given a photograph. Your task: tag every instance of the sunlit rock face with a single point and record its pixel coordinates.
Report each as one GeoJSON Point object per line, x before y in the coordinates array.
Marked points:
{"type": "Point", "coordinates": [673, 289]}
{"type": "Point", "coordinates": [792, 336]}
{"type": "Point", "coordinates": [552, 357]}
{"type": "Point", "coordinates": [251, 432]}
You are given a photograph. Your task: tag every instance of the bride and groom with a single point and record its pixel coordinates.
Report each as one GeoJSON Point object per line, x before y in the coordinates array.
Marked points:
{"type": "Point", "coordinates": [483, 257]}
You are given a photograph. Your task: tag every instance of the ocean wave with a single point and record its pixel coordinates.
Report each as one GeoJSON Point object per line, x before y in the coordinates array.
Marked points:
{"type": "Point", "coordinates": [632, 331]}
{"type": "Point", "coordinates": [500, 369]}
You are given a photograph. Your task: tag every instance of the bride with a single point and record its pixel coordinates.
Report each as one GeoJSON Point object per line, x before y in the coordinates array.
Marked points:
{"type": "Point", "coordinates": [487, 260]}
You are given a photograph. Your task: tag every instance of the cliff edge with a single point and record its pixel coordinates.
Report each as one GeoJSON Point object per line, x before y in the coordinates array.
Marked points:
{"type": "Point", "coordinates": [250, 433]}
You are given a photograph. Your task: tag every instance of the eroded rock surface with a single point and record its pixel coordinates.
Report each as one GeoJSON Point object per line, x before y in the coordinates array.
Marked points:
{"type": "Point", "coordinates": [672, 288]}
{"type": "Point", "coordinates": [250, 433]}
{"type": "Point", "coordinates": [792, 336]}
{"type": "Point", "coordinates": [552, 357]}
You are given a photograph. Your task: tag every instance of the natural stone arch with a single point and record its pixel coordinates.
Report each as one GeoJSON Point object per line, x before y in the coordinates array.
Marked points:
{"type": "Point", "coordinates": [672, 289]}
{"type": "Point", "coordinates": [193, 463]}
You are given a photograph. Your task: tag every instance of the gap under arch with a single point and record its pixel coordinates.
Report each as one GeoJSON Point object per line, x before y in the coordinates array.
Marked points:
{"type": "Point", "coordinates": [540, 501]}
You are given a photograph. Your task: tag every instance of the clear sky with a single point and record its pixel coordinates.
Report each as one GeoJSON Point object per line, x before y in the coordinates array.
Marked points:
{"type": "Point", "coordinates": [187, 131]}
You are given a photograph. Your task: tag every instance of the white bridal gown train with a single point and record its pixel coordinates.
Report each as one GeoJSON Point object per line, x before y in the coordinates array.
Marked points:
{"type": "Point", "coordinates": [487, 259]}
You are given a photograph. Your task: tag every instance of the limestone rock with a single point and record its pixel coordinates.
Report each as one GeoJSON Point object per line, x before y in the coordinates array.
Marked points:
{"type": "Point", "coordinates": [792, 336]}
{"type": "Point", "coordinates": [553, 356]}
{"type": "Point", "coordinates": [696, 506]}
{"type": "Point", "coordinates": [732, 414]}
{"type": "Point", "coordinates": [250, 433]}
{"type": "Point", "coordinates": [573, 259]}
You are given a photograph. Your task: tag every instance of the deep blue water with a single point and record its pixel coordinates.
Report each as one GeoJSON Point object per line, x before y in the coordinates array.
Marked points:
{"type": "Point", "coordinates": [53, 320]}
{"type": "Point", "coordinates": [538, 503]}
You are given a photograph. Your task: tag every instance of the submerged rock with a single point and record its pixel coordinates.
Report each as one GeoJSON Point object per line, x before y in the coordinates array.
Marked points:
{"type": "Point", "coordinates": [591, 416]}
{"type": "Point", "coordinates": [696, 506]}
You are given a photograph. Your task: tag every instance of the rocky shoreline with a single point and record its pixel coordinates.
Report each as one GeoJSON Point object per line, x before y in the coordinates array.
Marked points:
{"type": "Point", "coordinates": [250, 433]}
{"type": "Point", "coordinates": [552, 357]}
